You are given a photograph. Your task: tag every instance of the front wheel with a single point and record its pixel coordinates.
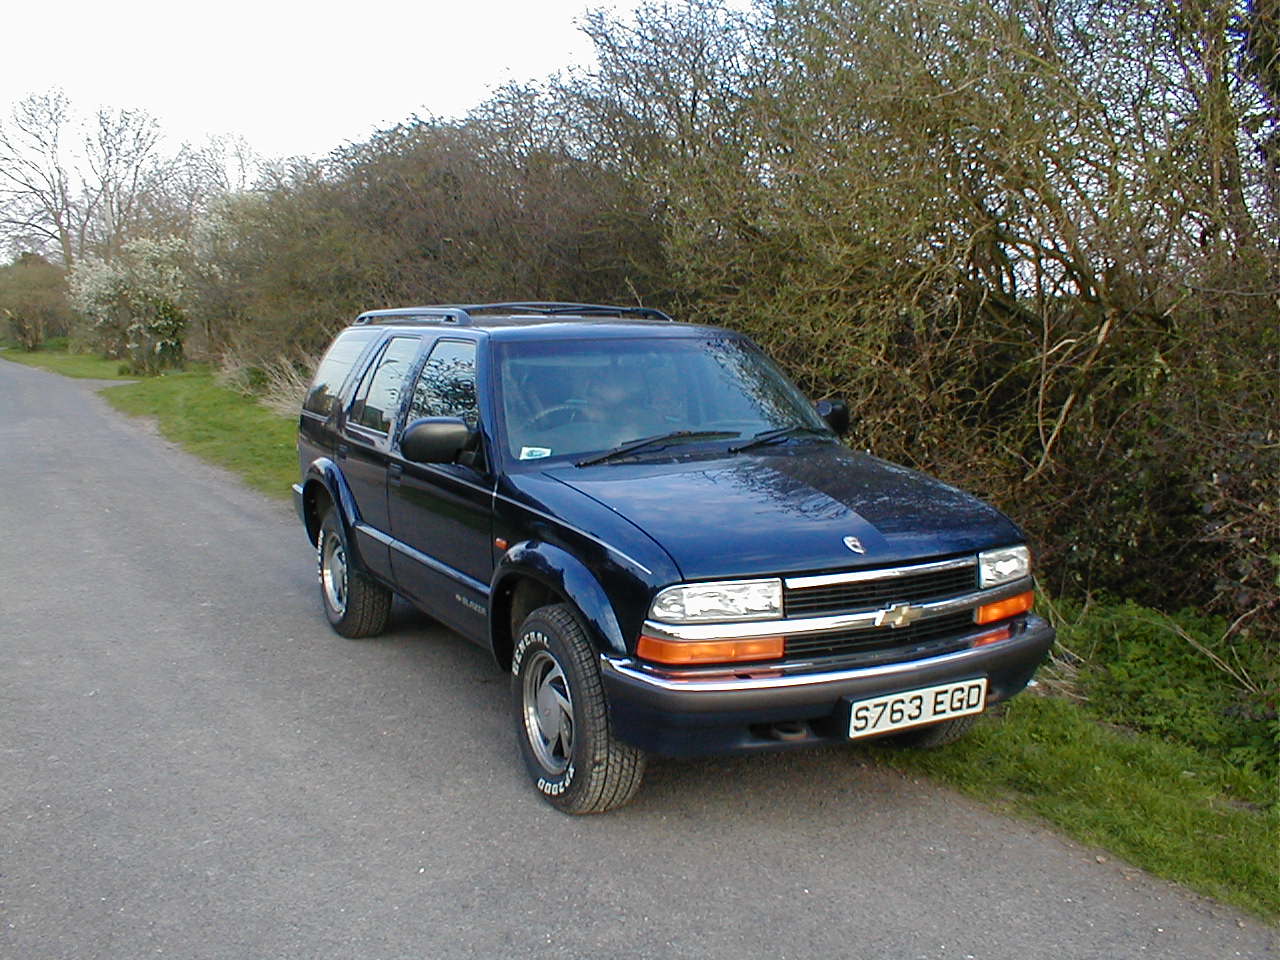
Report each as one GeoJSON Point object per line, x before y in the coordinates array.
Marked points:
{"type": "Point", "coordinates": [355, 605]}
{"type": "Point", "coordinates": [562, 719]}
{"type": "Point", "coordinates": [934, 734]}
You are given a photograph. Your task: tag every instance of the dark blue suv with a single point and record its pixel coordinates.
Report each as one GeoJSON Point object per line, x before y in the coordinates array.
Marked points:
{"type": "Point", "coordinates": [665, 543]}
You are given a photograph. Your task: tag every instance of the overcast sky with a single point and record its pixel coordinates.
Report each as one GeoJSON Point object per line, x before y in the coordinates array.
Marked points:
{"type": "Point", "coordinates": [291, 78]}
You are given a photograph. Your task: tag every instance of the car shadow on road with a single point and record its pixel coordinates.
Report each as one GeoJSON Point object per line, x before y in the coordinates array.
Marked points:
{"type": "Point", "coordinates": [815, 778]}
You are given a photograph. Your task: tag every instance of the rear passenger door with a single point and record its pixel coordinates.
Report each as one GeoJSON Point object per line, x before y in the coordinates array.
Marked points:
{"type": "Point", "coordinates": [364, 440]}
{"type": "Point", "coordinates": [442, 513]}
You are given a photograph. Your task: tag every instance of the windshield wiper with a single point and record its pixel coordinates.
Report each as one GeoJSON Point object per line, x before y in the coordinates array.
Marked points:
{"type": "Point", "coordinates": [632, 446]}
{"type": "Point", "coordinates": [768, 436]}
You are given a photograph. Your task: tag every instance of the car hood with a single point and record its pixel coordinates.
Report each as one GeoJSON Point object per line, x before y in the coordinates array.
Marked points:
{"type": "Point", "coordinates": [789, 509]}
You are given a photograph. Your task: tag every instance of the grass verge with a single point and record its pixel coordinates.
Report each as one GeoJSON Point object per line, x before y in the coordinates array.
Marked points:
{"type": "Point", "coordinates": [1158, 805]}
{"type": "Point", "coordinates": [220, 425]}
{"type": "Point", "coordinates": [79, 365]}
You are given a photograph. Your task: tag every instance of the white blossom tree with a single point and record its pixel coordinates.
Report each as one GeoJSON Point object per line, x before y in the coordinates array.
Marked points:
{"type": "Point", "coordinates": [136, 303]}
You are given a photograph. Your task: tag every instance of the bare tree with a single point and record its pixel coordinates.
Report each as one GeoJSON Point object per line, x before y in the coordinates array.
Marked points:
{"type": "Point", "coordinates": [41, 202]}
{"type": "Point", "coordinates": [72, 189]}
{"type": "Point", "coordinates": [123, 168]}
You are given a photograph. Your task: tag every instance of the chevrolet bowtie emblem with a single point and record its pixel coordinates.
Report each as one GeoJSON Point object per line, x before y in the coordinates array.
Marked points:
{"type": "Point", "coordinates": [899, 615]}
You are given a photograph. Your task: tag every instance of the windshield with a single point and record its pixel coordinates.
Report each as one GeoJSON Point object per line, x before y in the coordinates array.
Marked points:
{"type": "Point", "coordinates": [576, 397]}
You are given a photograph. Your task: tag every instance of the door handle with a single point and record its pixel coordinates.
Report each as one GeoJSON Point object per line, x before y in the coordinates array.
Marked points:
{"type": "Point", "coordinates": [343, 450]}
{"type": "Point", "coordinates": [394, 473]}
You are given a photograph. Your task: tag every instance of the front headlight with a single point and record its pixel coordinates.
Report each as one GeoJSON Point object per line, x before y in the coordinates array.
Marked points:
{"type": "Point", "coordinates": [723, 601]}
{"type": "Point", "coordinates": [1003, 566]}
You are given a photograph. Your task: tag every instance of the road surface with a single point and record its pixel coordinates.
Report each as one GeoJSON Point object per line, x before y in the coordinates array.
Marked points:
{"type": "Point", "coordinates": [193, 765]}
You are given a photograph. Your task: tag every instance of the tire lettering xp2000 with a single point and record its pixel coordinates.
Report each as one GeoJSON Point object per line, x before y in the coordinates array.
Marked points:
{"type": "Point", "coordinates": [562, 720]}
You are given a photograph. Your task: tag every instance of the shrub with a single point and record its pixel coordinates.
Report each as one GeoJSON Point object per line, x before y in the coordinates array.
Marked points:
{"type": "Point", "coordinates": [1188, 677]}
{"type": "Point", "coordinates": [136, 304]}
{"type": "Point", "coordinates": [33, 300]}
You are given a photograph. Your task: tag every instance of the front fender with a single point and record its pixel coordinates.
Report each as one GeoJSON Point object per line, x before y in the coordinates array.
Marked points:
{"type": "Point", "coordinates": [565, 574]}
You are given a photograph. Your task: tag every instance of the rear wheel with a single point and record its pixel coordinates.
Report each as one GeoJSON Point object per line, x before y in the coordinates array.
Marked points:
{"type": "Point", "coordinates": [356, 605]}
{"type": "Point", "coordinates": [562, 719]}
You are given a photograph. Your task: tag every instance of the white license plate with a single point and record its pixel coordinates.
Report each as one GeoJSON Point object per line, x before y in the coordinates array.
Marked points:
{"type": "Point", "coordinates": [911, 708]}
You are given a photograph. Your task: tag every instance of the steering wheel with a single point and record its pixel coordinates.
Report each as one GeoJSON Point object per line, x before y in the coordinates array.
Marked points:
{"type": "Point", "coordinates": [536, 421]}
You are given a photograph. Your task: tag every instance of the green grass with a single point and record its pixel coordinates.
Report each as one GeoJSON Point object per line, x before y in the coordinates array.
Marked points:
{"type": "Point", "coordinates": [1156, 804]}
{"type": "Point", "coordinates": [80, 365]}
{"type": "Point", "coordinates": [1187, 677]}
{"type": "Point", "coordinates": [220, 425]}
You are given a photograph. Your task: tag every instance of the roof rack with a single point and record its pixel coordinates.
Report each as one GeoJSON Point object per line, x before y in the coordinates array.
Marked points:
{"type": "Point", "coordinates": [462, 313]}
{"type": "Point", "coordinates": [553, 307]}
{"type": "Point", "coordinates": [440, 314]}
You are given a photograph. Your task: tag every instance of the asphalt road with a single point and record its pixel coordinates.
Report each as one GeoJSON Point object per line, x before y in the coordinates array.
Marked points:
{"type": "Point", "coordinates": [193, 765]}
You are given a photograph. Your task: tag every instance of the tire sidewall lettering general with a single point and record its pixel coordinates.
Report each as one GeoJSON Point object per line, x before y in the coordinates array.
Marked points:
{"type": "Point", "coordinates": [550, 785]}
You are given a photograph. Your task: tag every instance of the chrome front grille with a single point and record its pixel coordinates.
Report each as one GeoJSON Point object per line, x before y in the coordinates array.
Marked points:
{"type": "Point", "coordinates": [845, 642]}
{"type": "Point", "coordinates": [875, 589]}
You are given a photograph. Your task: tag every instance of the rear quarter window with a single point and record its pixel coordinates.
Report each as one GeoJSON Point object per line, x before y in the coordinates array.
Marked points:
{"type": "Point", "coordinates": [333, 369]}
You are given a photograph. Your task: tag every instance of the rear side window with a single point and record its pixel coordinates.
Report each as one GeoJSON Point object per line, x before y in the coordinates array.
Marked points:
{"type": "Point", "coordinates": [333, 369]}
{"type": "Point", "coordinates": [378, 399]}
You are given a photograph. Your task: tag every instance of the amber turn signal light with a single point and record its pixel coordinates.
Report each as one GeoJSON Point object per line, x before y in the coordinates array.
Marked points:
{"type": "Point", "coordinates": [1003, 609]}
{"type": "Point", "coordinates": [708, 651]}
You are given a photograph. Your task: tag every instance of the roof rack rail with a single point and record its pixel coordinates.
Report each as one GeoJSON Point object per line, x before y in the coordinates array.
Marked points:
{"type": "Point", "coordinates": [440, 314]}
{"type": "Point", "coordinates": [461, 313]}
{"type": "Point", "coordinates": [553, 307]}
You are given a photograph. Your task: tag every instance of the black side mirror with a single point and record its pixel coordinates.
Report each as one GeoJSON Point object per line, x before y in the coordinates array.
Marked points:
{"type": "Point", "coordinates": [836, 413]}
{"type": "Point", "coordinates": [435, 439]}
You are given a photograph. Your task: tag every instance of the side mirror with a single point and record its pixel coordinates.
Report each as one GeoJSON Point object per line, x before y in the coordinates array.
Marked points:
{"type": "Point", "coordinates": [836, 413]}
{"type": "Point", "coordinates": [435, 439]}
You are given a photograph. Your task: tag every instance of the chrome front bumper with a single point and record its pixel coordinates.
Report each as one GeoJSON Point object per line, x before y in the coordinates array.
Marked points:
{"type": "Point", "coordinates": [717, 710]}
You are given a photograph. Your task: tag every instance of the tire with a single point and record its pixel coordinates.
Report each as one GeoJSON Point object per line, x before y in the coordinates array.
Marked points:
{"type": "Point", "coordinates": [934, 734]}
{"type": "Point", "coordinates": [356, 605]}
{"type": "Point", "coordinates": [562, 718]}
